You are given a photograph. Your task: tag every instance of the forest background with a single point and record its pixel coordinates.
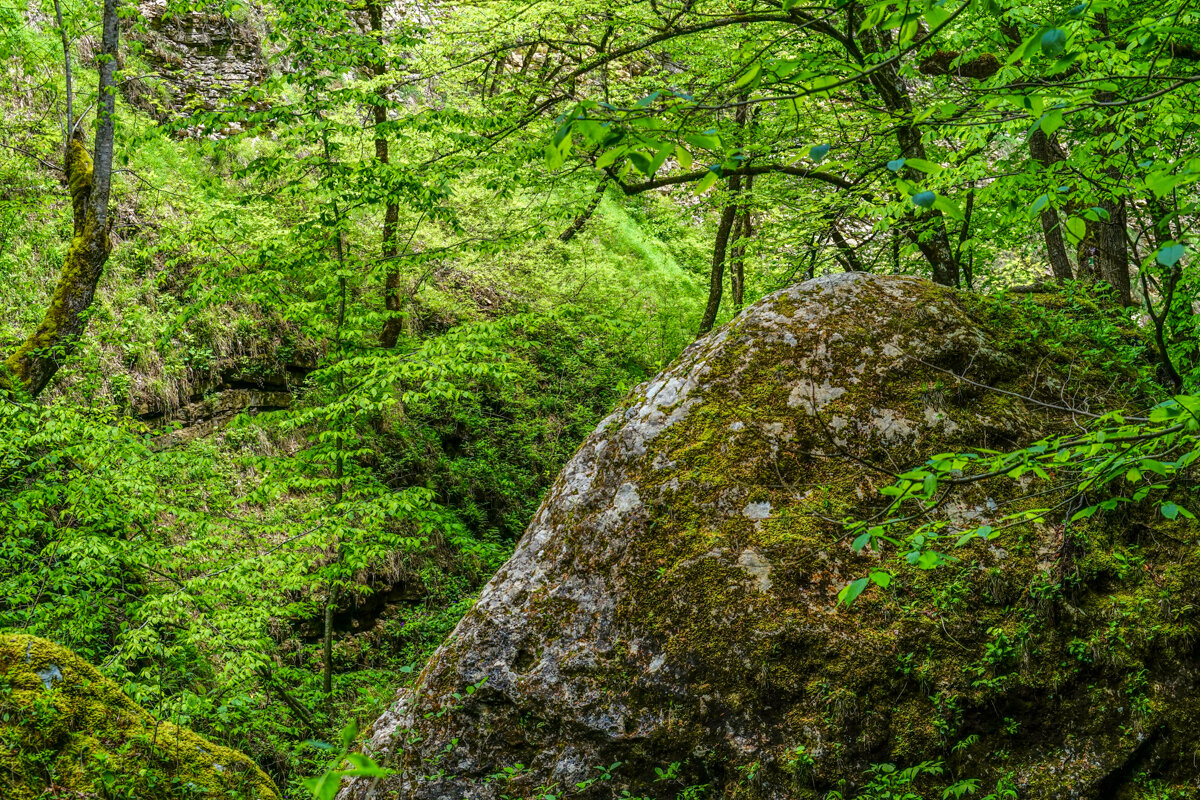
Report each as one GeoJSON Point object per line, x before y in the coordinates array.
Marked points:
{"type": "Point", "coordinates": [351, 316]}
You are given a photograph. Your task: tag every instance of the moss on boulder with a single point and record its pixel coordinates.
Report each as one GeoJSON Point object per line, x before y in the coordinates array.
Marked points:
{"type": "Point", "coordinates": [673, 601]}
{"type": "Point", "coordinates": [67, 731]}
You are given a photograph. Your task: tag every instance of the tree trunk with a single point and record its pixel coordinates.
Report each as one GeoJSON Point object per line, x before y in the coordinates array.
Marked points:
{"type": "Point", "coordinates": [577, 224]}
{"type": "Point", "coordinates": [327, 645]}
{"type": "Point", "coordinates": [931, 237]}
{"type": "Point", "coordinates": [729, 213]}
{"type": "Point", "coordinates": [850, 259]}
{"type": "Point", "coordinates": [1103, 252]}
{"type": "Point", "coordinates": [391, 216]}
{"type": "Point", "coordinates": [1044, 153]}
{"type": "Point", "coordinates": [743, 230]}
{"type": "Point", "coordinates": [720, 245]}
{"type": "Point", "coordinates": [36, 360]}
{"type": "Point", "coordinates": [1104, 246]}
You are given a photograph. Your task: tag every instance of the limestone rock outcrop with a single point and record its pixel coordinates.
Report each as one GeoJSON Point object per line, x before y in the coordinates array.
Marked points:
{"type": "Point", "coordinates": [203, 60]}
{"type": "Point", "coordinates": [67, 731]}
{"type": "Point", "coordinates": [672, 606]}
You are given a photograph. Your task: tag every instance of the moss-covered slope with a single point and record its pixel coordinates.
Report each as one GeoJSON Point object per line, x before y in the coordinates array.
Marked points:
{"type": "Point", "coordinates": [673, 601]}
{"type": "Point", "coordinates": [67, 731]}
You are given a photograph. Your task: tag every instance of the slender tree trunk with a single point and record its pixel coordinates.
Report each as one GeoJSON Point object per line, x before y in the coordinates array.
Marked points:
{"type": "Point", "coordinates": [744, 229]}
{"type": "Point", "coordinates": [36, 360]}
{"type": "Point", "coordinates": [580, 221]}
{"type": "Point", "coordinates": [849, 257]}
{"type": "Point", "coordinates": [327, 645]}
{"type": "Point", "coordinates": [390, 250]}
{"type": "Point", "coordinates": [716, 279]}
{"type": "Point", "coordinates": [69, 128]}
{"type": "Point", "coordinates": [1046, 154]}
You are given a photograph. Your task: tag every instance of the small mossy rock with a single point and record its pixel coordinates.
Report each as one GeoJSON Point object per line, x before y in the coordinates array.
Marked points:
{"type": "Point", "coordinates": [674, 599]}
{"type": "Point", "coordinates": [67, 731]}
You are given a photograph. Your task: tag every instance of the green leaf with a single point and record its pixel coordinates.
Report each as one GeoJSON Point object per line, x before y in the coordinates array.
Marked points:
{"type": "Point", "coordinates": [324, 787]}
{"type": "Point", "coordinates": [1051, 122]}
{"type": "Point", "coordinates": [750, 76]}
{"type": "Point", "coordinates": [706, 182]}
{"type": "Point", "coordinates": [949, 208]}
{"type": "Point", "coordinates": [860, 542]}
{"type": "Point", "coordinates": [923, 165]}
{"type": "Point", "coordinates": [683, 157]}
{"type": "Point", "coordinates": [881, 579]}
{"type": "Point", "coordinates": [709, 140]}
{"type": "Point", "coordinates": [641, 162]}
{"type": "Point", "coordinates": [1076, 230]}
{"type": "Point", "coordinates": [609, 158]}
{"type": "Point", "coordinates": [347, 735]}
{"type": "Point", "coordinates": [818, 153]}
{"type": "Point", "coordinates": [1169, 510]}
{"type": "Point", "coordinates": [1085, 513]}
{"type": "Point", "coordinates": [647, 100]}
{"type": "Point", "coordinates": [897, 164]}
{"type": "Point", "coordinates": [1169, 256]}
{"type": "Point", "coordinates": [851, 591]}
{"type": "Point", "coordinates": [924, 199]}
{"type": "Point", "coordinates": [1054, 41]}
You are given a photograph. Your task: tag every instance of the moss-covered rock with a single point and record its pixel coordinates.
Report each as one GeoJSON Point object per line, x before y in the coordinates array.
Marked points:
{"type": "Point", "coordinates": [66, 731]}
{"type": "Point", "coordinates": [673, 601]}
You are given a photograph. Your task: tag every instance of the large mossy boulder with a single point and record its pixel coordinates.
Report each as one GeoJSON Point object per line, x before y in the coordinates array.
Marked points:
{"type": "Point", "coordinates": [672, 606]}
{"type": "Point", "coordinates": [66, 731]}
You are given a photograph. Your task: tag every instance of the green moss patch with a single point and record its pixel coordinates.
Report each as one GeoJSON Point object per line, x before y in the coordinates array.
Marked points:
{"type": "Point", "coordinates": [67, 731]}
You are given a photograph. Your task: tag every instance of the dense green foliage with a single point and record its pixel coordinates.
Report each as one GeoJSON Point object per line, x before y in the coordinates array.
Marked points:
{"type": "Point", "coordinates": [359, 313]}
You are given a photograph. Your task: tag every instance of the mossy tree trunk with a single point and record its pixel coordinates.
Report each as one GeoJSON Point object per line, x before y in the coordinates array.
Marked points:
{"type": "Point", "coordinates": [31, 366]}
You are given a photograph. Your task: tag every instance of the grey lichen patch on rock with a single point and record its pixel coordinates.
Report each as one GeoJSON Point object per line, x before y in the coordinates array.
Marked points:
{"type": "Point", "coordinates": [673, 600]}
{"type": "Point", "coordinates": [49, 674]}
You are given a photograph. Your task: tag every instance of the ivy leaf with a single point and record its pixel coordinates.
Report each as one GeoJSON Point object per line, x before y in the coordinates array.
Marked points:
{"type": "Point", "coordinates": [1054, 41]}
